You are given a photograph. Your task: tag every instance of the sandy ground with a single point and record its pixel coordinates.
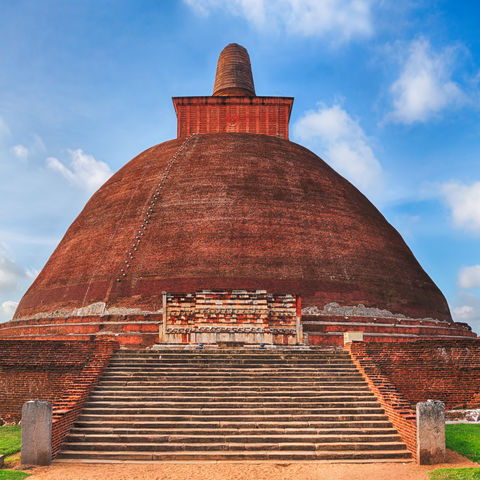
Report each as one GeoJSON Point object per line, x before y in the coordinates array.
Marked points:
{"type": "Point", "coordinates": [244, 471]}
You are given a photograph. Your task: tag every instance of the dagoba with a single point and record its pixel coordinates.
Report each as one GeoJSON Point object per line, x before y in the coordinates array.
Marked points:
{"type": "Point", "coordinates": [231, 232]}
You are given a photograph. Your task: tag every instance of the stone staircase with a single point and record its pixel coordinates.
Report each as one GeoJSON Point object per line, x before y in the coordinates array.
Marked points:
{"type": "Point", "coordinates": [200, 405]}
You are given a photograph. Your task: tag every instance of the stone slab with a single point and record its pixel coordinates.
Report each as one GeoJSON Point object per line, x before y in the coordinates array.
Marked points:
{"type": "Point", "coordinates": [349, 337]}
{"type": "Point", "coordinates": [36, 433]}
{"type": "Point", "coordinates": [430, 432]}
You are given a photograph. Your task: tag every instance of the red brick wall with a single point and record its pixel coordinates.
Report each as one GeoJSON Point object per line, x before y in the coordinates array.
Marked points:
{"type": "Point", "coordinates": [259, 115]}
{"type": "Point", "coordinates": [43, 369]}
{"type": "Point", "coordinates": [329, 329]}
{"type": "Point", "coordinates": [446, 370]}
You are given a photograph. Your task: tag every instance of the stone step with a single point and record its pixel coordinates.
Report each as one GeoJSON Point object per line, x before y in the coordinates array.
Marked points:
{"type": "Point", "coordinates": [231, 445]}
{"type": "Point", "coordinates": [236, 360]}
{"type": "Point", "coordinates": [194, 430]}
{"type": "Point", "coordinates": [200, 418]}
{"type": "Point", "coordinates": [216, 399]}
{"type": "Point", "coordinates": [232, 406]}
{"type": "Point", "coordinates": [327, 425]}
{"type": "Point", "coordinates": [218, 364]}
{"type": "Point", "coordinates": [245, 389]}
{"type": "Point", "coordinates": [266, 455]}
{"type": "Point", "coordinates": [235, 438]}
{"type": "Point", "coordinates": [159, 367]}
{"type": "Point", "coordinates": [237, 383]}
{"type": "Point", "coordinates": [255, 359]}
{"type": "Point", "coordinates": [227, 411]}
{"type": "Point", "coordinates": [232, 354]}
{"type": "Point", "coordinates": [250, 396]}
{"type": "Point", "coordinates": [237, 375]}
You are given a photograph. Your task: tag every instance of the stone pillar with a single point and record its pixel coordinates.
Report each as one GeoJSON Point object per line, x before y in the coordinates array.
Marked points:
{"type": "Point", "coordinates": [430, 432]}
{"type": "Point", "coordinates": [298, 321]}
{"type": "Point", "coordinates": [163, 328]}
{"type": "Point", "coordinates": [36, 433]}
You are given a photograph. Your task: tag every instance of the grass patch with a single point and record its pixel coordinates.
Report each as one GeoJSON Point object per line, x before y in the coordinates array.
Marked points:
{"type": "Point", "coordinates": [13, 475]}
{"type": "Point", "coordinates": [455, 474]}
{"type": "Point", "coordinates": [10, 439]}
{"type": "Point", "coordinates": [464, 438]}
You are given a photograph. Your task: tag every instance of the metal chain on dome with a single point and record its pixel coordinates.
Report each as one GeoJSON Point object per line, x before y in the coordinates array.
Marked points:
{"type": "Point", "coordinates": [130, 255]}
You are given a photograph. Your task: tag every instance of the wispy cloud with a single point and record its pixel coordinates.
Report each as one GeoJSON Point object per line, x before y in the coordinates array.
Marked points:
{"type": "Point", "coordinates": [425, 85]}
{"type": "Point", "coordinates": [467, 309]}
{"type": "Point", "coordinates": [340, 139]}
{"type": "Point", "coordinates": [7, 309]}
{"type": "Point", "coordinates": [83, 170]}
{"type": "Point", "coordinates": [343, 18]}
{"type": "Point", "coordinates": [11, 274]}
{"type": "Point", "coordinates": [4, 130]}
{"type": "Point", "coordinates": [464, 203]}
{"type": "Point", "coordinates": [469, 277]}
{"type": "Point", "coordinates": [20, 151]}
{"type": "Point", "coordinates": [36, 147]}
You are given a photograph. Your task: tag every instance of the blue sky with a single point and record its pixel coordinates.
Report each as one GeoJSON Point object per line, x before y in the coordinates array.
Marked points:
{"type": "Point", "coordinates": [387, 92]}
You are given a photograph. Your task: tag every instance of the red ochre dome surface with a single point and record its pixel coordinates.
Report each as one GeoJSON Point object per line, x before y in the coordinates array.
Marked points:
{"type": "Point", "coordinates": [237, 211]}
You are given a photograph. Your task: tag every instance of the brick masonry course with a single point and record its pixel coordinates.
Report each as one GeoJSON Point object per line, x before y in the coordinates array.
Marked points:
{"type": "Point", "coordinates": [45, 370]}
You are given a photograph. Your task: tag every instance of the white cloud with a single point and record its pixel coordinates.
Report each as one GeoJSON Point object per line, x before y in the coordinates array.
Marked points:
{"type": "Point", "coordinates": [36, 147]}
{"type": "Point", "coordinates": [464, 203]}
{"type": "Point", "coordinates": [469, 277]}
{"type": "Point", "coordinates": [425, 86]}
{"type": "Point", "coordinates": [343, 19]}
{"type": "Point", "coordinates": [467, 309]}
{"type": "Point", "coordinates": [342, 142]}
{"type": "Point", "coordinates": [7, 309]}
{"type": "Point", "coordinates": [10, 274]}
{"type": "Point", "coordinates": [84, 170]}
{"type": "Point", "coordinates": [20, 152]}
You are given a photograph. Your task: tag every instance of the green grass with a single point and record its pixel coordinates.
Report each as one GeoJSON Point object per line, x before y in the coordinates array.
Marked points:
{"type": "Point", "coordinates": [455, 474]}
{"type": "Point", "coordinates": [10, 443]}
{"type": "Point", "coordinates": [12, 475]}
{"type": "Point", "coordinates": [465, 439]}
{"type": "Point", "coordinates": [10, 439]}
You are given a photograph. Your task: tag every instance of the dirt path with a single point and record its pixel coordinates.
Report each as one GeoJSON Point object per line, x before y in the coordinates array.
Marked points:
{"type": "Point", "coordinates": [244, 471]}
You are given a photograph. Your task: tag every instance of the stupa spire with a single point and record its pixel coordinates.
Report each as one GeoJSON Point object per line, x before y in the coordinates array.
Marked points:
{"type": "Point", "coordinates": [234, 73]}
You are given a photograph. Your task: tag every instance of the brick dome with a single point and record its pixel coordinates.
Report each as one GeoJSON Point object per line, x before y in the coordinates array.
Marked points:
{"type": "Point", "coordinates": [232, 206]}
{"type": "Point", "coordinates": [236, 211]}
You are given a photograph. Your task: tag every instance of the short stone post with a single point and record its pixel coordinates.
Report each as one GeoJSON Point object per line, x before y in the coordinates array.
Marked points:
{"type": "Point", "coordinates": [36, 433]}
{"type": "Point", "coordinates": [430, 432]}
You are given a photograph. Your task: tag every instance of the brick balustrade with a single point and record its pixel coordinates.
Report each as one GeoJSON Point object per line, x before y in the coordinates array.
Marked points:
{"type": "Point", "coordinates": [67, 408]}
{"type": "Point", "coordinates": [396, 407]}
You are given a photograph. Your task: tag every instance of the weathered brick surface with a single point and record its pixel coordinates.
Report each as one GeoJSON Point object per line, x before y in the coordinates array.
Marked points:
{"type": "Point", "coordinates": [446, 370]}
{"type": "Point", "coordinates": [237, 211]}
{"type": "Point", "coordinates": [132, 330]}
{"type": "Point", "coordinates": [238, 315]}
{"type": "Point", "coordinates": [329, 329]}
{"type": "Point", "coordinates": [258, 115]}
{"type": "Point", "coordinates": [42, 370]}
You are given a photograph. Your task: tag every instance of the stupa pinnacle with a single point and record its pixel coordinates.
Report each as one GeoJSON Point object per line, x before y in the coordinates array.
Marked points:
{"type": "Point", "coordinates": [234, 73]}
